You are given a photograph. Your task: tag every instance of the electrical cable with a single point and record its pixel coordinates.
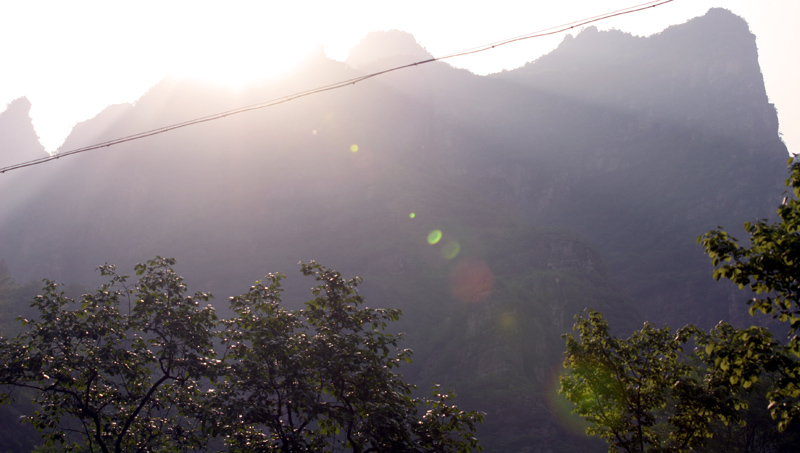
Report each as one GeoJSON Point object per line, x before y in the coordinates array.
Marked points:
{"type": "Point", "coordinates": [280, 100]}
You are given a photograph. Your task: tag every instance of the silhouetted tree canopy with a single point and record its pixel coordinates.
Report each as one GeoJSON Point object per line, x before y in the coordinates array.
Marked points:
{"type": "Point", "coordinates": [645, 393]}
{"type": "Point", "coordinates": [146, 366]}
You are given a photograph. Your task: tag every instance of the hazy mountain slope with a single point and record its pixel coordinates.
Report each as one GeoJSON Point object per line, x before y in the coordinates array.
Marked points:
{"type": "Point", "coordinates": [265, 202]}
{"type": "Point", "coordinates": [676, 136]}
{"type": "Point", "coordinates": [581, 179]}
{"type": "Point", "coordinates": [19, 141]}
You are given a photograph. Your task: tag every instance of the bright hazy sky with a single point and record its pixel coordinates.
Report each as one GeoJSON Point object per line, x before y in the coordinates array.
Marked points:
{"type": "Point", "coordinates": [73, 58]}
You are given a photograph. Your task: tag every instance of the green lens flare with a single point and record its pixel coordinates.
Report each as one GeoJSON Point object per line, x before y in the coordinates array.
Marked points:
{"type": "Point", "coordinates": [354, 148]}
{"type": "Point", "coordinates": [412, 215]}
{"type": "Point", "coordinates": [434, 237]}
{"type": "Point", "coordinates": [450, 250]}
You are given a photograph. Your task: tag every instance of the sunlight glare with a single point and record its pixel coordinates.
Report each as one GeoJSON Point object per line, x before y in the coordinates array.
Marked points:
{"type": "Point", "coordinates": [240, 44]}
{"type": "Point", "coordinates": [237, 65]}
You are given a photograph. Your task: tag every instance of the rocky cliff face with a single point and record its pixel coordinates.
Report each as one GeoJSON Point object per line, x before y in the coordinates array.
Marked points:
{"type": "Point", "coordinates": [678, 154]}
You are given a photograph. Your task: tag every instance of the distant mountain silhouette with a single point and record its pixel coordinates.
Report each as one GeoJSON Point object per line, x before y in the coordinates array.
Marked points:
{"type": "Point", "coordinates": [581, 179]}
{"type": "Point", "coordinates": [18, 140]}
{"type": "Point", "coordinates": [658, 139]}
{"type": "Point", "coordinates": [393, 46]}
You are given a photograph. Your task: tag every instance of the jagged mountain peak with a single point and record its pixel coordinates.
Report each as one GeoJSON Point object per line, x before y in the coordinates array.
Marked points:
{"type": "Point", "coordinates": [715, 19]}
{"type": "Point", "coordinates": [19, 139]}
{"type": "Point", "coordinates": [382, 45]}
{"type": "Point", "coordinates": [19, 104]}
{"type": "Point", "coordinates": [718, 33]}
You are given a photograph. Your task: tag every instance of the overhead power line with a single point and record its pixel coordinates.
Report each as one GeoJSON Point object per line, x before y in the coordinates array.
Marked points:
{"type": "Point", "coordinates": [260, 105]}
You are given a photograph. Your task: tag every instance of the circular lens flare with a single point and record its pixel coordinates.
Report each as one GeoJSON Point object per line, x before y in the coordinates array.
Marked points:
{"type": "Point", "coordinates": [450, 250]}
{"type": "Point", "coordinates": [507, 322]}
{"type": "Point", "coordinates": [560, 407]}
{"type": "Point", "coordinates": [434, 237]}
{"type": "Point", "coordinates": [471, 281]}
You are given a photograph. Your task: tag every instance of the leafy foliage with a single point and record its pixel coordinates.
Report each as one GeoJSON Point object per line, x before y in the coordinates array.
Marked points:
{"type": "Point", "coordinates": [133, 368]}
{"type": "Point", "coordinates": [639, 393]}
{"type": "Point", "coordinates": [123, 367]}
{"type": "Point", "coordinates": [645, 394]}
{"type": "Point", "coordinates": [323, 377]}
{"type": "Point", "coordinates": [769, 266]}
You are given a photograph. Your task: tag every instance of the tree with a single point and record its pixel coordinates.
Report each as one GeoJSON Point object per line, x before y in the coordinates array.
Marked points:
{"type": "Point", "coordinates": [322, 378]}
{"type": "Point", "coordinates": [14, 436]}
{"type": "Point", "coordinates": [770, 267]}
{"type": "Point", "coordinates": [133, 367]}
{"type": "Point", "coordinates": [122, 369]}
{"type": "Point", "coordinates": [646, 393]}
{"type": "Point", "coordinates": [639, 394]}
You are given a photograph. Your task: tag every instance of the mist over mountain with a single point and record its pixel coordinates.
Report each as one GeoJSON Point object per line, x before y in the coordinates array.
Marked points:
{"type": "Point", "coordinates": [579, 180]}
{"type": "Point", "coordinates": [19, 141]}
{"type": "Point", "coordinates": [395, 46]}
{"type": "Point", "coordinates": [647, 164]}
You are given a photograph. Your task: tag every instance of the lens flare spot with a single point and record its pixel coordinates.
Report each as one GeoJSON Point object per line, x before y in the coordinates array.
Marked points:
{"type": "Point", "coordinates": [507, 321]}
{"type": "Point", "coordinates": [434, 237]}
{"type": "Point", "coordinates": [450, 250]}
{"type": "Point", "coordinates": [314, 132]}
{"type": "Point", "coordinates": [354, 148]}
{"type": "Point", "coordinates": [471, 281]}
{"type": "Point", "coordinates": [412, 215]}
{"type": "Point", "coordinates": [560, 408]}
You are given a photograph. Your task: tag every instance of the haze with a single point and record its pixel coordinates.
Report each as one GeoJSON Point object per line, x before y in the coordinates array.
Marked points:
{"type": "Point", "coordinates": [72, 59]}
{"type": "Point", "coordinates": [490, 209]}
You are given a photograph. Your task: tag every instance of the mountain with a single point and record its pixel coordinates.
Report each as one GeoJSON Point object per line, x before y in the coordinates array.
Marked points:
{"type": "Point", "coordinates": [19, 141]}
{"type": "Point", "coordinates": [676, 129]}
{"type": "Point", "coordinates": [491, 209]}
{"type": "Point", "coordinates": [394, 47]}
